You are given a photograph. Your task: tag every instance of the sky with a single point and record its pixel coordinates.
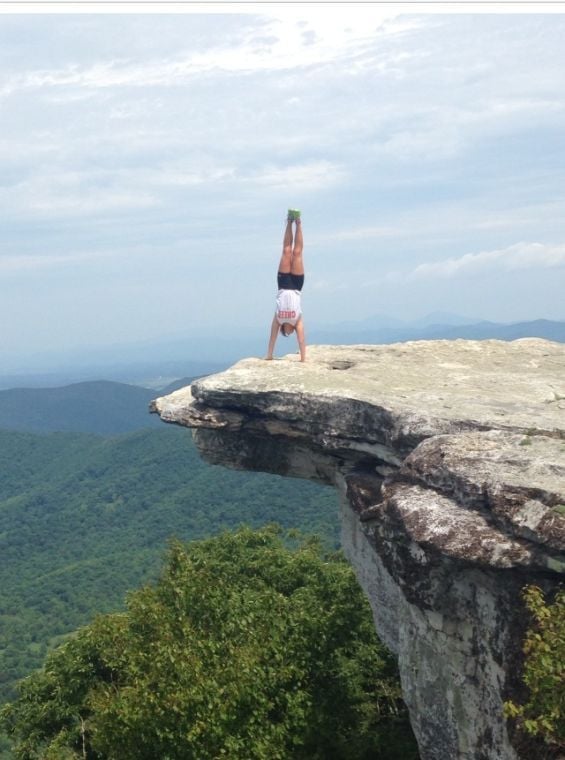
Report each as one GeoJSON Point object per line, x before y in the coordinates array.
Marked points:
{"type": "Point", "coordinates": [147, 161]}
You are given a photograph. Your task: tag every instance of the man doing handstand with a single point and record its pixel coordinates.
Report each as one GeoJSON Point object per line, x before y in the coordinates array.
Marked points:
{"type": "Point", "coordinates": [290, 279]}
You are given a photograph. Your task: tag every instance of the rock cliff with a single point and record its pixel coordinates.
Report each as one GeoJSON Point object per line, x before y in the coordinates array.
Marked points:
{"type": "Point", "coordinates": [450, 459]}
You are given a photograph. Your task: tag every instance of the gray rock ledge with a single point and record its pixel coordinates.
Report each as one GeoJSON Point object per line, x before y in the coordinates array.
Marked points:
{"type": "Point", "coordinates": [450, 460]}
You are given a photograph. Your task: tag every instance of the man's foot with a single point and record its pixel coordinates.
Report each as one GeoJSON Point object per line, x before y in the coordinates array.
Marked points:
{"type": "Point", "coordinates": [293, 215]}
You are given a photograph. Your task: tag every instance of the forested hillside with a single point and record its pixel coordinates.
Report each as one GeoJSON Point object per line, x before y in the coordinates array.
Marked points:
{"type": "Point", "coordinates": [93, 407]}
{"type": "Point", "coordinates": [85, 518]}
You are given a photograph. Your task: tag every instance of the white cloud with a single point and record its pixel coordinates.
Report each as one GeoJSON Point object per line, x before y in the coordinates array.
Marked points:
{"type": "Point", "coordinates": [315, 175]}
{"type": "Point", "coordinates": [71, 193]}
{"type": "Point", "coordinates": [359, 234]}
{"type": "Point", "coordinates": [515, 257]}
{"type": "Point", "coordinates": [533, 215]}
{"type": "Point", "coordinates": [295, 39]}
{"type": "Point", "coordinates": [33, 262]}
{"type": "Point", "coordinates": [325, 286]}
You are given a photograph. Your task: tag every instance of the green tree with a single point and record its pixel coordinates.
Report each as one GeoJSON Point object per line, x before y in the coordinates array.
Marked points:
{"type": "Point", "coordinates": [543, 714]}
{"type": "Point", "coordinates": [252, 645]}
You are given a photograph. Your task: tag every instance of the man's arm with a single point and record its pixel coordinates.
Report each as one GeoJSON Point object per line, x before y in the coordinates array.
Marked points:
{"type": "Point", "coordinates": [272, 338]}
{"type": "Point", "coordinates": [301, 339]}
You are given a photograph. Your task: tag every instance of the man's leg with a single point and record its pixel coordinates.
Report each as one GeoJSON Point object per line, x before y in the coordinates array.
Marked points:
{"type": "Point", "coordinates": [297, 263]}
{"type": "Point", "coordinates": [286, 258]}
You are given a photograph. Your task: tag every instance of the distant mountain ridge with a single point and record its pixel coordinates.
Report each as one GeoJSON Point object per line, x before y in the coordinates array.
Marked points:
{"type": "Point", "coordinates": [384, 321]}
{"type": "Point", "coordinates": [539, 328]}
{"type": "Point", "coordinates": [103, 407]}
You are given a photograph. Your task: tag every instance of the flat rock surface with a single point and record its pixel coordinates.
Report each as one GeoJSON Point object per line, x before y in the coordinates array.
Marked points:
{"type": "Point", "coordinates": [488, 384]}
{"type": "Point", "coordinates": [476, 430]}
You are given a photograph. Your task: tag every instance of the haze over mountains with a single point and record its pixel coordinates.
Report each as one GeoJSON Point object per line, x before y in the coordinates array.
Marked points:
{"type": "Point", "coordinates": [102, 407]}
{"type": "Point", "coordinates": [375, 331]}
{"type": "Point", "coordinates": [153, 364]}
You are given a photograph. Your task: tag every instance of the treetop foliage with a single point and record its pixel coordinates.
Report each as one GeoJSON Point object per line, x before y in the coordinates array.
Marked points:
{"type": "Point", "coordinates": [253, 645]}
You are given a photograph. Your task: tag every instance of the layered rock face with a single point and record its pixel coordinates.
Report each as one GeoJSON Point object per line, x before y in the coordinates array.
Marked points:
{"type": "Point", "coordinates": [450, 459]}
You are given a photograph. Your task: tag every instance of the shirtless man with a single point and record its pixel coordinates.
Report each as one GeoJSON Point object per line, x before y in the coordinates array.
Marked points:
{"type": "Point", "coordinates": [290, 279]}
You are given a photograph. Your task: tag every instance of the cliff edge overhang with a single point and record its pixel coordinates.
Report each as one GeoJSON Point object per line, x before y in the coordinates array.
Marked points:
{"type": "Point", "coordinates": [450, 458]}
